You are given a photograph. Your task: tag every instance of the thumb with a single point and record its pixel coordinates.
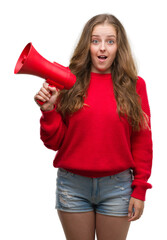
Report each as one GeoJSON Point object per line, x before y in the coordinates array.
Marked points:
{"type": "Point", "coordinates": [53, 89]}
{"type": "Point", "coordinates": [130, 209]}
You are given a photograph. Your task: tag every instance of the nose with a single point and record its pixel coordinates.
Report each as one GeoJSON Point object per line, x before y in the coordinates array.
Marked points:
{"type": "Point", "coordinates": [102, 46]}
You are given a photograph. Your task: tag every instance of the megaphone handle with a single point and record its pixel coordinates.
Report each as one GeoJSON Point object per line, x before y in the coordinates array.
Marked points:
{"type": "Point", "coordinates": [51, 84]}
{"type": "Point", "coordinates": [40, 102]}
{"type": "Point", "coordinates": [54, 84]}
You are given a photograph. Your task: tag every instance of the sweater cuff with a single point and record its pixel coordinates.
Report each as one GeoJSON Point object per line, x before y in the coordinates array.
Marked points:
{"type": "Point", "coordinates": [49, 110]}
{"type": "Point", "coordinates": [48, 115]}
{"type": "Point", "coordinates": [139, 192]}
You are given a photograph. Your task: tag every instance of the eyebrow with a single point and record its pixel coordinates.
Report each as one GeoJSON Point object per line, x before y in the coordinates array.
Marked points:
{"type": "Point", "coordinates": [107, 36]}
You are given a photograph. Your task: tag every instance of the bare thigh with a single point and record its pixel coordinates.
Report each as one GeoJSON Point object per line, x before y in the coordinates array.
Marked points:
{"type": "Point", "coordinates": [111, 227]}
{"type": "Point", "coordinates": [78, 226]}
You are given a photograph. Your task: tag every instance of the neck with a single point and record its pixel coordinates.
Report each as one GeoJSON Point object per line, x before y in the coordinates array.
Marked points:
{"type": "Point", "coordinates": [100, 75]}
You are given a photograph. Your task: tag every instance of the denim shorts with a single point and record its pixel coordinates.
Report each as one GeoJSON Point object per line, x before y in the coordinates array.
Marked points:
{"type": "Point", "coordinates": [108, 195]}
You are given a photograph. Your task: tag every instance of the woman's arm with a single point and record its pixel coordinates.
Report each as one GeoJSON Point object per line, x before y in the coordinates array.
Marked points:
{"type": "Point", "coordinates": [142, 149]}
{"type": "Point", "coordinates": [52, 127]}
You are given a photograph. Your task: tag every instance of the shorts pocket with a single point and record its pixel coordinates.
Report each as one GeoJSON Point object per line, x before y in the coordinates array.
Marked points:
{"type": "Point", "coordinates": [62, 172]}
{"type": "Point", "coordinates": [123, 176]}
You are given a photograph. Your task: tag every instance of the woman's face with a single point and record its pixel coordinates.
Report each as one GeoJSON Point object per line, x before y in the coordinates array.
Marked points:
{"type": "Point", "coordinates": [103, 48]}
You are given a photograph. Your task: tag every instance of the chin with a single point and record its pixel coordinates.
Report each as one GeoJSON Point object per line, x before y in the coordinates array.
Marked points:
{"type": "Point", "coordinates": [103, 71]}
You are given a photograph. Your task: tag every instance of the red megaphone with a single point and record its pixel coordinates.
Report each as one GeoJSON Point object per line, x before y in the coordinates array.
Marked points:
{"type": "Point", "coordinates": [31, 62]}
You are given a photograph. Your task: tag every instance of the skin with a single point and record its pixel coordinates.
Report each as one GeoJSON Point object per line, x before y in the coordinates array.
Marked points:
{"type": "Point", "coordinates": [138, 206]}
{"type": "Point", "coordinates": [48, 96]}
{"type": "Point", "coordinates": [103, 42]}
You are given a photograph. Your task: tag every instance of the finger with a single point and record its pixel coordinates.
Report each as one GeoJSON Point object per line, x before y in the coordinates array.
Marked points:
{"type": "Point", "coordinates": [45, 85]}
{"type": "Point", "coordinates": [38, 97]}
{"type": "Point", "coordinates": [53, 89]}
{"type": "Point", "coordinates": [45, 91]}
{"type": "Point", "coordinates": [136, 215]}
{"type": "Point", "coordinates": [48, 87]}
{"type": "Point", "coordinates": [42, 94]}
{"type": "Point", "coordinates": [130, 209]}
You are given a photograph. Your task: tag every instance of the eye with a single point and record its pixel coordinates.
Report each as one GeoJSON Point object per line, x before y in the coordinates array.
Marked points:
{"type": "Point", "coordinates": [110, 41]}
{"type": "Point", "coordinates": [95, 41]}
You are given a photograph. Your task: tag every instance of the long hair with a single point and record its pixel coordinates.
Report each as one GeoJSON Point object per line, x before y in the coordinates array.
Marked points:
{"type": "Point", "coordinates": [123, 71]}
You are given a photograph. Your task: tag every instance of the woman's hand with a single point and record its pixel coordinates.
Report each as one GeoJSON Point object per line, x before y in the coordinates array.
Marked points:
{"type": "Point", "coordinates": [48, 95]}
{"type": "Point", "coordinates": [138, 206]}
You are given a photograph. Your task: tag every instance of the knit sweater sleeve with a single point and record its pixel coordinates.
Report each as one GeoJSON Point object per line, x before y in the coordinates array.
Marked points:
{"type": "Point", "coordinates": [142, 148]}
{"type": "Point", "coordinates": [52, 129]}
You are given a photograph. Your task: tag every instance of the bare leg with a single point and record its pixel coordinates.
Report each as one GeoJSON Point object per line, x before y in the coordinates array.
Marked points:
{"type": "Point", "coordinates": [111, 227]}
{"type": "Point", "coordinates": [78, 226]}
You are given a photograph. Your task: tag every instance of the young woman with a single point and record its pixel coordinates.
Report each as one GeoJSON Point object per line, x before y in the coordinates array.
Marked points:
{"type": "Point", "coordinates": [102, 130]}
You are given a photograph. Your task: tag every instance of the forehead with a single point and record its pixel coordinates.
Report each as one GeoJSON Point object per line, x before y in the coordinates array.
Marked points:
{"type": "Point", "coordinates": [104, 29]}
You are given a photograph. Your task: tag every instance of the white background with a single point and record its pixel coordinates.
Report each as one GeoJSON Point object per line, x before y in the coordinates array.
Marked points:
{"type": "Point", "coordinates": [27, 177]}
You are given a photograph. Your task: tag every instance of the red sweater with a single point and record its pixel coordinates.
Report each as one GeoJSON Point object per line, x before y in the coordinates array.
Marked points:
{"type": "Point", "coordinates": [94, 142]}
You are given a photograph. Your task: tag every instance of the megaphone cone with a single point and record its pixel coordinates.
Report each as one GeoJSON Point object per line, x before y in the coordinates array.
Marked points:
{"type": "Point", "coordinates": [31, 62]}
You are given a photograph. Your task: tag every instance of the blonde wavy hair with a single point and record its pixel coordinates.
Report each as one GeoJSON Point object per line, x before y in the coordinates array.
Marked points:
{"type": "Point", "coordinates": [123, 71]}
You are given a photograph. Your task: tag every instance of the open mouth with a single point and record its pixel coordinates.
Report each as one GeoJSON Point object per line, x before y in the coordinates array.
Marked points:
{"type": "Point", "coordinates": [102, 57]}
